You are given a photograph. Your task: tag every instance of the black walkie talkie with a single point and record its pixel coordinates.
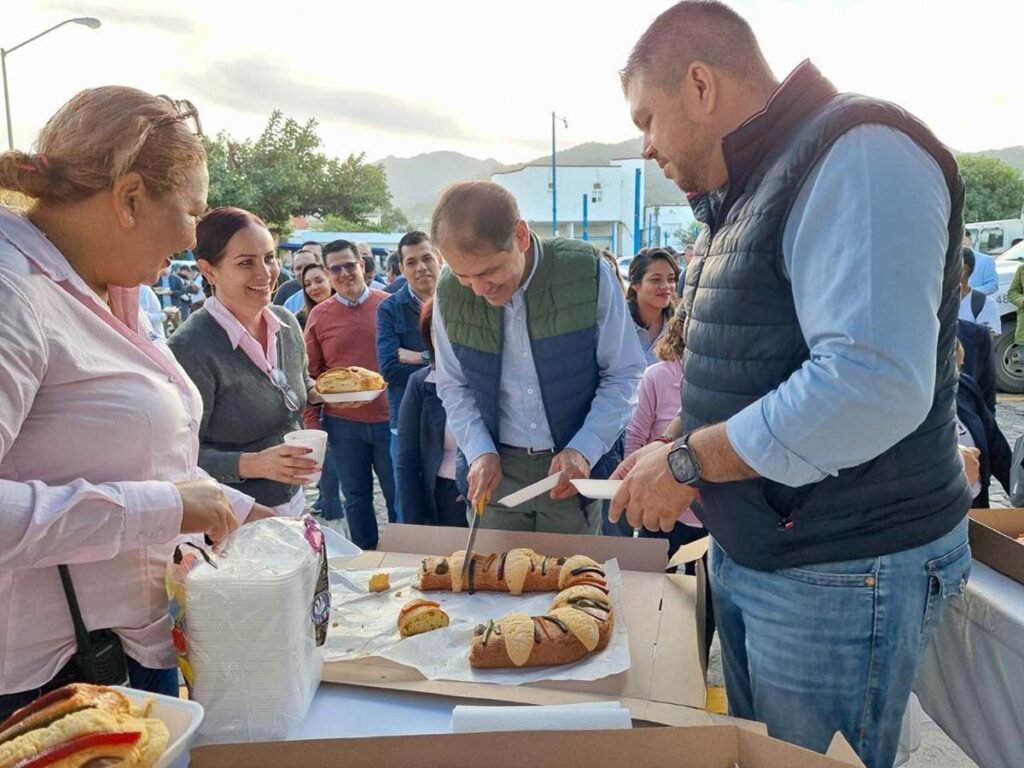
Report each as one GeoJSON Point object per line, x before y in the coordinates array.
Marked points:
{"type": "Point", "coordinates": [99, 658]}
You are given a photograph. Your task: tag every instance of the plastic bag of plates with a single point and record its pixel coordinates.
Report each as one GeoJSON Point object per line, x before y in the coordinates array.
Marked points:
{"type": "Point", "coordinates": [249, 621]}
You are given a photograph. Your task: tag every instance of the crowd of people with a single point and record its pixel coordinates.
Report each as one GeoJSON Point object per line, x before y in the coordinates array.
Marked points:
{"type": "Point", "coordinates": [739, 387]}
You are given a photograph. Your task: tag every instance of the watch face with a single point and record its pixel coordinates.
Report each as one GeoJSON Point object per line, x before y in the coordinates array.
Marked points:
{"type": "Point", "coordinates": [681, 463]}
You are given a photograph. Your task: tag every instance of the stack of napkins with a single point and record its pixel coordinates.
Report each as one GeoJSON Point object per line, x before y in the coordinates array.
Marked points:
{"type": "Point", "coordinates": [596, 716]}
{"type": "Point", "coordinates": [250, 632]}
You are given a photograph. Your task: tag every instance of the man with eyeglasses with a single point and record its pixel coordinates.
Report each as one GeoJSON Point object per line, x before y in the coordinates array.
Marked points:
{"type": "Point", "coordinates": [340, 332]}
{"type": "Point", "coordinates": [400, 348]}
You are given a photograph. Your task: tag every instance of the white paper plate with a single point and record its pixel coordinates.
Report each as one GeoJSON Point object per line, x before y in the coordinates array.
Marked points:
{"type": "Point", "coordinates": [597, 489]}
{"type": "Point", "coordinates": [352, 397]}
{"type": "Point", "coordinates": [338, 547]}
{"type": "Point", "coordinates": [182, 718]}
{"type": "Point", "coordinates": [531, 491]}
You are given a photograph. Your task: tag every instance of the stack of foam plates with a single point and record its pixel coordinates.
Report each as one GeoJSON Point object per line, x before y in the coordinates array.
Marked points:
{"type": "Point", "coordinates": [250, 634]}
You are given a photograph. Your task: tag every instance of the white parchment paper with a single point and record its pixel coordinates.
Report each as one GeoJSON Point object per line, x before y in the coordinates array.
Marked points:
{"type": "Point", "coordinates": [365, 624]}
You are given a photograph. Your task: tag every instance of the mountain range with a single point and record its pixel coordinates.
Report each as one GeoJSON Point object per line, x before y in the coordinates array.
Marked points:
{"type": "Point", "coordinates": [416, 182]}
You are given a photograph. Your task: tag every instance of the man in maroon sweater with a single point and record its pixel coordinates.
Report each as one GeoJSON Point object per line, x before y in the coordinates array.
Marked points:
{"type": "Point", "coordinates": [341, 332]}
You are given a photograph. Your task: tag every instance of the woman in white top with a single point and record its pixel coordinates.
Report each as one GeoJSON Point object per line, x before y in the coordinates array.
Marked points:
{"type": "Point", "coordinates": [98, 423]}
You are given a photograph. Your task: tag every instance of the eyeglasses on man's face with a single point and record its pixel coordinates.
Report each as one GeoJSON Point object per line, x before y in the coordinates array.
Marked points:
{"type": "Point", "coordinates": [348, 267]}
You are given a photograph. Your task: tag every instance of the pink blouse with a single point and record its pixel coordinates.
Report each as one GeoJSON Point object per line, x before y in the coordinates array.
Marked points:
{"type": "Point", "coordinates": [264, 359]}
{"type": "Point", "coordinates": [657, 406]}
{"type": "Point", "coordinates": [97, 422]}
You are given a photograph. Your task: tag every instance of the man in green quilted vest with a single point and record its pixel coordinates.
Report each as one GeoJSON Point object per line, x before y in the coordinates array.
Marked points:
{"type": "Point", "coordinates": [537, 360]}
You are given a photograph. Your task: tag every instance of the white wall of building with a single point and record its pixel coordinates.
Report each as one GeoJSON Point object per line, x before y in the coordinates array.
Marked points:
{"type": "Point", "coordinates": [663, 222]}
{"type": "Point", "coordinates": [610, 199]}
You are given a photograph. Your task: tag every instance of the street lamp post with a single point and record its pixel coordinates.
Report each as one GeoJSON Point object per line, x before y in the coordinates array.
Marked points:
{"type": "Point", "coordinates": [87, 21]}
{"type": "Point", "coordinates": [554, 172]}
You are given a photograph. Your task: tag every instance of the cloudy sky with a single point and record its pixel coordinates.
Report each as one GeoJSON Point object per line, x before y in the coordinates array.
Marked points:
{"type": "Point", "coordinates": [480, 77]}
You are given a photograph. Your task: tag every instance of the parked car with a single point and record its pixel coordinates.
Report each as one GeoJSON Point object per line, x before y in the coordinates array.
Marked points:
{"type": "Point", "coordinates": [995, 237]}
{"type": "Point", "coordinates": [624, 263]}
{"type": "Point", "coordinates": [1009, 366]}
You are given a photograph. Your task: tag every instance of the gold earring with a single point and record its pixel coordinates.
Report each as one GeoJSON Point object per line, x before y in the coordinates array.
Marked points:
{"type": "Point", "coordinates": [131, 221]}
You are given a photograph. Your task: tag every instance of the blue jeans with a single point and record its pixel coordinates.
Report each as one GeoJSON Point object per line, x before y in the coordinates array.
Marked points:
{"type": "Point", "coordinates": [359, 450]}
{"type": "Point", "coordinates": [141, 678]}
{"type": "Point", "coordinates": [330, 493]}
{"type": "Point", "coordinates": [834, 646]}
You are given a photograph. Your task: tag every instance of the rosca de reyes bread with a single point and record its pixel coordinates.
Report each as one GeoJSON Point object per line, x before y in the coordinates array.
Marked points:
{"type": "Point", "coordinates": [580, 622]}
{"type": "Point", "coordinates": [80, 725]}
{"type": "Point", "coordinates": [419, 616]}
{"type": "Point", "coordinates": [515, 571]}
{"type": "Point", "coordinates": [351, 379]}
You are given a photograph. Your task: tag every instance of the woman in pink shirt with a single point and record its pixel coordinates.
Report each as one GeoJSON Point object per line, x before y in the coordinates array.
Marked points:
{"type": "Point", "coordinates": [658, 402]}
{"type": "Point", "coordinates": [657, 407]}
{"type": "Point", "coordinates": [98, 424]}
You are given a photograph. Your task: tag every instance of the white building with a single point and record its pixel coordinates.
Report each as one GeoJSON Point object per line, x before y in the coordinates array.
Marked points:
{"type": "Point", "coordinates": [664, 224]}
{"type": "Point", "coordinates": [613, 197]}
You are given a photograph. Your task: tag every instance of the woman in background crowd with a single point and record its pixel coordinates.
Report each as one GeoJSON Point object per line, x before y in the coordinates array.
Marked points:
{"type": "Point", "coordinates": [248, 359]}
{"type": "Point", "coordinates": [316, 288]}
{"type": "Point", "coordinates": [98, 423]}
{"type": "Point", "coordinates": [426, 448]}
{"type": "Point", "coordinates": [658, 402]}
{"type": "Point", "coordinates": [653, 275]}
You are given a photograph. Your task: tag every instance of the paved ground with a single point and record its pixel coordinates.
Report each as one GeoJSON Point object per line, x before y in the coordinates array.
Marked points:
{"type": "Point", "coordinates": [937, 750]}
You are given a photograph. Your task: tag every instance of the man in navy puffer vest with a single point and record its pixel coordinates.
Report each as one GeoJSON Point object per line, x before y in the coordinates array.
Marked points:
{"type": "Point", "coordinates": [817, 434]}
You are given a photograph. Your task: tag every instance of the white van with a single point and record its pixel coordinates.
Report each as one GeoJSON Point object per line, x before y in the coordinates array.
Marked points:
{"type": "Point", "coordinates": [995, 237]}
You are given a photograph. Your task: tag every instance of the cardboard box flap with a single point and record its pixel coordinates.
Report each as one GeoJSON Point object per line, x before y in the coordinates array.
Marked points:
{"type": "Point", "coordinates": [993, 535]}
{"type": "Point", "coordinates": [841, 750]}
{"type": "Point", "coordinates": [689, 553]}
{"type": "Point", "coordinates": [632, 554]}
{"type": "Point", "coordinates": [696, 747]}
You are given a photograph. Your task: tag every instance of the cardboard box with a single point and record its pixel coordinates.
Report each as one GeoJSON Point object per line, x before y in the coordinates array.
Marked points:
{"type": "Point", "coordinates": [993, 534]}
{"type": "Point", "coordinates": [665, 681]}
{"type": "Point", "coordinates": [696, 747]}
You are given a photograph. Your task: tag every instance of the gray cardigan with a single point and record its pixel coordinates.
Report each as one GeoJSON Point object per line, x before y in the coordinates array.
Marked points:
{"type": "Point", "coordinates": [243, 412]}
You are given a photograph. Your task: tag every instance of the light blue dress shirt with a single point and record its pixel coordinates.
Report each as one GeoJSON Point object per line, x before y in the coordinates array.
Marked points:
{"type": "Point", "coordinates": [149, 303]}
{"type": "Point", "coordinates": [522, 421]}
{"type": "Point", "coordinates": [295, 302]}
{"type": "Point", "coordinates": [647, 344]}
{"type": "Point", "coordinates": [984, 278]}
{"type": "Point", "coordinates": [864, 248]}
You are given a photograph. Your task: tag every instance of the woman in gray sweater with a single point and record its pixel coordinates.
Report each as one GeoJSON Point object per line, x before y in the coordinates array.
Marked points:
{"type": "Point", "coordinates": [248, 359]}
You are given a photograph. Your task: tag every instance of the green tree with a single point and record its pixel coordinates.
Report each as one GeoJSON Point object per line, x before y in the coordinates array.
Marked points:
{"type": "Point", "coordinates": [284, 173]}
{"type": "Point", "coordinates": [995, 190]}
{"type": "Point", "coordinates": [394, 220]}
{"type": "Point", "coordinates": [688, 235]}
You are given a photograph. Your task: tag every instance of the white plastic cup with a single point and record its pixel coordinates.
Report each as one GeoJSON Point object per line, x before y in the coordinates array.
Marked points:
{"type": "Point", "coordinates": [310, 438]}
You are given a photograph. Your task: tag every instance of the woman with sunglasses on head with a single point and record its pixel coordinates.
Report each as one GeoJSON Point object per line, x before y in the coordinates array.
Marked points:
{"type": "Point", "coordinates": [248, 359]}
{"type": "Point", "coordinates": [98, 423]}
